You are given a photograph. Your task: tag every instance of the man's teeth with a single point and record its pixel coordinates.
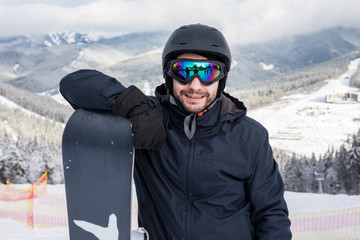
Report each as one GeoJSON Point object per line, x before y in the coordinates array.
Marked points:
{"type": "Point", "coordinates": [195, 97]}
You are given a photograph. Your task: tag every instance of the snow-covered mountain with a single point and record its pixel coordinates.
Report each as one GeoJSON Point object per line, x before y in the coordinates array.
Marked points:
{"type": "Point", "coordinates": [56, 39]}
{"type": "Point", "coordinates": [37, 63]}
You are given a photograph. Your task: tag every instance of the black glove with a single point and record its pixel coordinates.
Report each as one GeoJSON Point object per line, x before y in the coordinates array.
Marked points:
{"type": "Point", "coordinates": [147, 127]}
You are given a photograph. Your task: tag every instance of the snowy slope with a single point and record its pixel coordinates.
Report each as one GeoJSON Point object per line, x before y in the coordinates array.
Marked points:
{"type": "Point", "coordinates": [305, 123]}
{"type": "Point", "coordinates": [15, 120]}
{"type": "Point", "coordinates": [10, 104]}
{"type": "Point", "coordinates": [97, 55]}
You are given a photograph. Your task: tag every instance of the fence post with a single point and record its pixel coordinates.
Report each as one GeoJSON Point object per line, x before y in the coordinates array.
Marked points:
{"type": "Point", "coordinates": [31, 208]}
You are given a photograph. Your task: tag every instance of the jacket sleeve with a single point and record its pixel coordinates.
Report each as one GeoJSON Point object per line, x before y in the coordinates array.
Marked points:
{"type": "Point", "coordinates": [266, 192]}
{"type": "Point", "coordinates": [90, 89]}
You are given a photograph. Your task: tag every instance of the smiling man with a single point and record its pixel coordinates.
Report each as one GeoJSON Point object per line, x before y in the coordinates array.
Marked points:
{"type": "Point", "coordinates": [203, 169]}
{"type": "Point", "coordinates": [193, 95]}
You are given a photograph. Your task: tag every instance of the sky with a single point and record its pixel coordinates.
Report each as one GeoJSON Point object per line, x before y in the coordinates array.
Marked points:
{"type": "Point", "coordinates": [241, 21]}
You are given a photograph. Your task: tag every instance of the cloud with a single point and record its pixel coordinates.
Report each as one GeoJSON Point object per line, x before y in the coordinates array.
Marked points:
{"type": "Point", "coordinates": [241, 21]}
{"type": "Point", "coordinates": [258, 20]}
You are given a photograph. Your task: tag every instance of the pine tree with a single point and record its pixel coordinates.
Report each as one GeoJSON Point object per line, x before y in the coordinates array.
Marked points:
{"type": "Point", "coordinates": [5, 144]}
{"type": "Point", "coordinates": [20, 163]}
{"type": "Point", "coordinates": [352, 163]}
{"type": "Point", "coordinates": [292, 173]}
{"type": "Point", "coordinates": [328, 165]}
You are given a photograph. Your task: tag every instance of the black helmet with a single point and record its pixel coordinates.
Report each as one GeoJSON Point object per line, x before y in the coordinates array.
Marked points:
{"type": "Point", "coordinates": [196, 38]}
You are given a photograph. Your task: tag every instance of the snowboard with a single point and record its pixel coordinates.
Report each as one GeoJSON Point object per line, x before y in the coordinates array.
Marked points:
{"type": "Point", "coordinates": [98, 166]}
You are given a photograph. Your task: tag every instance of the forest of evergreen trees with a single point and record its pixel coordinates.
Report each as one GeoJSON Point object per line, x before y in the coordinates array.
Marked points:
{"type": "Point", "coordinates": [24, 161]}
{"type": "Point", "coordinates": [42, 105]}
{"type": "Point", "coordinates": [341, 168]}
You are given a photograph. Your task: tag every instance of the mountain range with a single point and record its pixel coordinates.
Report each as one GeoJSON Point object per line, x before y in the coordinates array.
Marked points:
{"type": "Point", "coordinates": [37, 63]}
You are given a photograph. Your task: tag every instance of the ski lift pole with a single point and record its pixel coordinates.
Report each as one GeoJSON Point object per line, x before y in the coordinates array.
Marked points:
{"type": "Point", "coordinates": [320, 177]}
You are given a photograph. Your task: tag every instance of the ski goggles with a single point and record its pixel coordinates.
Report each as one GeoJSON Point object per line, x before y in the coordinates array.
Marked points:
{"type": "Point", "coordinates": [185, 70]}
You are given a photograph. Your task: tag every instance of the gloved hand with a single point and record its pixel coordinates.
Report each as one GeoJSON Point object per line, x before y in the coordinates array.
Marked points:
{"type": "Point", "coordinates": [147, 127]}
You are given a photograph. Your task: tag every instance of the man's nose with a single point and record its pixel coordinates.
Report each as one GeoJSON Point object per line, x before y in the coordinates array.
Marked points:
{"type": "Point", "coordinates": [195, 83]}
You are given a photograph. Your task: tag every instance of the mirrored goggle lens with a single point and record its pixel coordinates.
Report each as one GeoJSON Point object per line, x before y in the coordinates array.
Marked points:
{"type": "Point", "coordinates": [185, 70]}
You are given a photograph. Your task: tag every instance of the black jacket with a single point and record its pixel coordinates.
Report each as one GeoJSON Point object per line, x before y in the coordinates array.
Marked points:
{"type": "Point", "coordinates": [223, 183]}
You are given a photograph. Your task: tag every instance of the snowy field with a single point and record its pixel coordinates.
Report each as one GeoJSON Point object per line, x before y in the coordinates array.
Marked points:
{"type": "Point", "coordinates": [306, 124]}
{"type": "Point", "coordinates": [301, 123]}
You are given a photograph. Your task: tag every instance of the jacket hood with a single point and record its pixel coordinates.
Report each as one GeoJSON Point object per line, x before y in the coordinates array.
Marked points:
{"type": "Point", "coordinates": [231, 108]}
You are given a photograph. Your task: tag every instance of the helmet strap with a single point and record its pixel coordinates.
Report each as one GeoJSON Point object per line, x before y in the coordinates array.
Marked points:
{"type": "Point", "coordinates": [221, 87]}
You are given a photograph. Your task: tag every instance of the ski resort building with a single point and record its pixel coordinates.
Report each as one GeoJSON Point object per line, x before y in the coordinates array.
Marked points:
{"type": "Point", "coordinates": [342, 97]}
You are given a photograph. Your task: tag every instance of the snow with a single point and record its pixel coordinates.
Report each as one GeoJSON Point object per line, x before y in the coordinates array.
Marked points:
{"type": "Point", "coordinates": [297, 202]}
{"type": "Point", "coordinates": [147, 89]}
{"type": "Point", "coordinates": [96, 56]}
{"type": "Point", "coordinates": [234, 63]}
{"type": "Point", "coordinates": [306, 124]}
{"type": "Point", "coordinates": [8, 126]}
{"type": "Point", "coordinates": [55, 38]}
{"type": "Point", "coordinates": [55, 95]}
{"type": "Point", "coordinates": [10, 104]}
{"type": "Point", "coordinates": [267, 67]}
{"type": "Point", "coordinates": [47, 43]}
{"type": "Point", "coordinates": [16, 67]}
{"type": "Point", "coordinates": [313, 202]}
{"type": "Point", "coordinates": [15, 230]}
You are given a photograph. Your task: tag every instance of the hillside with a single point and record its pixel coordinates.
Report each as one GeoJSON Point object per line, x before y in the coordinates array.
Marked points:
{"type": "Point", "coordinates": [304, 123]}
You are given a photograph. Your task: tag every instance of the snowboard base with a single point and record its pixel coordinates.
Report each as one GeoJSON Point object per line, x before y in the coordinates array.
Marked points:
{"type": "Point", "coordinates": [98, 166]}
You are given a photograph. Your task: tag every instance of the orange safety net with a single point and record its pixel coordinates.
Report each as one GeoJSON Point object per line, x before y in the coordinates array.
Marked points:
{"type": "Point", "coordinates": [18, 203]}
{"type": "Point", "coordinates": [337, 224]}
{"type": "Point", "coordinates": [49, 210]}
{"type": "Point", "coordinates": [11, 192]}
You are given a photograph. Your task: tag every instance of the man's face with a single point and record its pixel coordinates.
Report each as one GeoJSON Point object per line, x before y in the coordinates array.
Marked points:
{"type": "Point", "coordinates": [195, 96]}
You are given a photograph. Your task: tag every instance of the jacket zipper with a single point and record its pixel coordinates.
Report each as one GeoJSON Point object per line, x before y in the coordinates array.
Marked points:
{"type": "Point", "coordinates": [189, 166]}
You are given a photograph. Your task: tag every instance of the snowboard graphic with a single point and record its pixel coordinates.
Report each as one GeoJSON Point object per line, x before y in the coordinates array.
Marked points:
{"type": "Point", "coordinates": [98, 166]}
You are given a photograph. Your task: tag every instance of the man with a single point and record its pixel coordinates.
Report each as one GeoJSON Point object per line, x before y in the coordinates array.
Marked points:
{"type": "Point", "coordinates": [203, 169]}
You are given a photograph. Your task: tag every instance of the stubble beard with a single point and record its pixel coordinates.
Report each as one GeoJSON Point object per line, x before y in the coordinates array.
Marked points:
{"type": "Point", "coordinates": [194, 107]}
